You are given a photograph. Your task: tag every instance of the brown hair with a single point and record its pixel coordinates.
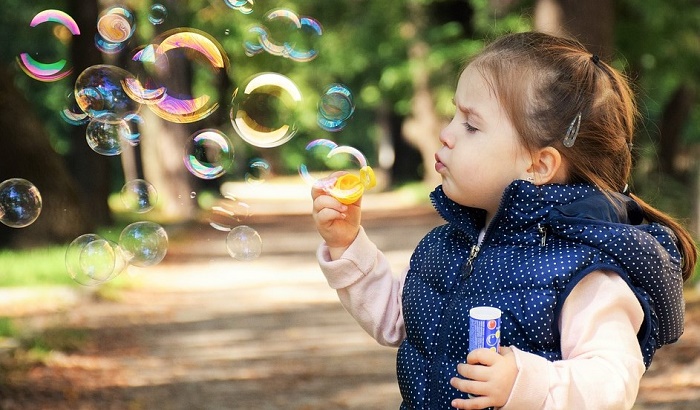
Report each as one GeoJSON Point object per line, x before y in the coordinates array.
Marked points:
{"type": "Point", "coordinates": [543, 82]}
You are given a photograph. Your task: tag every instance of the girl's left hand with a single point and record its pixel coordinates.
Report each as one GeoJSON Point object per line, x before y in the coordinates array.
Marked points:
{"type": "Point", "coordinates": [488, 375]}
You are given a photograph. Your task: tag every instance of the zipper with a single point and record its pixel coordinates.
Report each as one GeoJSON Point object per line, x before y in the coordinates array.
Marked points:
{"type": "Point", "coordinates": [543, 232]}
{"type": "Point", "coordinates": [469, 264]}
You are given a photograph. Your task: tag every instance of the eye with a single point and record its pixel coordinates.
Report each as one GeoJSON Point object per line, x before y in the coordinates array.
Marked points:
{"type": "Point", "coordinates": [469, 127]}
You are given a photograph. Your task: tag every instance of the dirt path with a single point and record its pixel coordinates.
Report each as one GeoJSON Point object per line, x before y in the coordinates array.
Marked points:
{"type": "Point", "coordinates": [203, 331]}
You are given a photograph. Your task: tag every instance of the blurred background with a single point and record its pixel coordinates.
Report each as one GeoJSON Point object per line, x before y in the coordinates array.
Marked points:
{"type": "Point", "coordinates": [187, 132]}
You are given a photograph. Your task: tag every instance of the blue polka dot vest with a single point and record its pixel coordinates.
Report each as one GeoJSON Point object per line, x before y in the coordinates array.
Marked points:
{"type": "Point", "coordinates": [542, 241]}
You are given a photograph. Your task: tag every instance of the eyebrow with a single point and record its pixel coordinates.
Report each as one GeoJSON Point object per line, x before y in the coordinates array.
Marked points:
{"type": "Point", "coordinates": [468, 110]}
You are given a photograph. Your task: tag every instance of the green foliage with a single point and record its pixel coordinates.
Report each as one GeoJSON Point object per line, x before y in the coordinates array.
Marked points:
{"type": "Point", "coordinates": [36, 267]}
{"type": "Point", "coordinates": [7, 327]}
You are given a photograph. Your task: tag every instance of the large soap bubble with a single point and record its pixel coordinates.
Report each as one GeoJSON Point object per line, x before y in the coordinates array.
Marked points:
{"type": "Point", "coordinates": [20, 203]}
{"type": "Point", "coordinates": [144, 243]}
{"type": "Point", "coordinates": [92, 260]}
{"type": "Point", "coordinates": [98, 90]}
{"type": "Point", "coordinates": [264, 109]}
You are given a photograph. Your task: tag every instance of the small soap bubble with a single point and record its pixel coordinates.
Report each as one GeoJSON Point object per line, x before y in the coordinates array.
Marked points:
{"type": "Point", "coordinates": [144, 243]}
{"type": "Point", "coordinates": [193, 195]}
{"type": "Point", "coordinates": [244, 243]}
{"type": "Point", "coordinates": [139, 195]}
{"type": "Point", "coordinates": [158, 14]}
{"type": "Point", "coordinates": [258, 171]}
{"type": "Point", "coordinates": [106, 132]}
{"type": "Point", "coordinates": [335, 107]}
{"type": "Point", "coordinates": [208, 154]}
{"type": "Point", "coordinates": [91, 260]}
{"type": "Point", "coordinates": [71, 112]}
{"type": "Point", "coordinates": [116, 24]}
{"type": "Point", "coordinates": [98, 89]}
{"type": "Point", "coordinates": [263, 110]}
{"type": "Point", "coordinates": [228, 212]}
{"type": "Point", "coordinates": [20, 203]}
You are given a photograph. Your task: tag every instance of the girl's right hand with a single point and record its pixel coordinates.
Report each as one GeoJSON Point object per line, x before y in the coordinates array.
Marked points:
{"type": "Point", "coordinates": [338, 224]}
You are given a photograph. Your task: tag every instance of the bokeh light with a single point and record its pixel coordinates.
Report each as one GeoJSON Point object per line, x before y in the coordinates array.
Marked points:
{"type": "Point", "coordinates": [20, 203]}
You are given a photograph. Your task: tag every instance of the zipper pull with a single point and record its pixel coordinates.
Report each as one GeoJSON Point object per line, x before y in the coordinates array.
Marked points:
{"type": "Point", "coordinates": [470, 259]}
{"type": "Point", "coordinates": [543, 231]}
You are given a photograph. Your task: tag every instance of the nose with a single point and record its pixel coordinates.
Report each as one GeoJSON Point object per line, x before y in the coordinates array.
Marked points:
{"type": "Point", "coordinates": [445, 137]}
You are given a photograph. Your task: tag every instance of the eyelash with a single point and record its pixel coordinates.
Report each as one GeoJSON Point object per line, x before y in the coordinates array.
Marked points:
{"type": "Point", "coordinates": [469, 127]}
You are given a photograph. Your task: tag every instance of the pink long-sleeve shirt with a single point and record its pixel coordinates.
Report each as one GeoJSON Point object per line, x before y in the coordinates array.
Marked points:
{"type": "Point", "coordinates": [601, 364]}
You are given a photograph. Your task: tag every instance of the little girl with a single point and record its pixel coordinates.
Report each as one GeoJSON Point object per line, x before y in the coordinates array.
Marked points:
{"type": "Point", "coordinates": [540, 224]}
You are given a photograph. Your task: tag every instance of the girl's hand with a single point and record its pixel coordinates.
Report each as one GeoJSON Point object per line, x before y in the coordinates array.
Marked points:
{"type": "Point", "coordinates": [337, 223]}
{"type": "Point", "coordinates": [490, 377]}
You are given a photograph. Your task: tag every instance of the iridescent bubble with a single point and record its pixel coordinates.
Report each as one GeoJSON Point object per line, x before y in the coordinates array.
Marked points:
{"type": "Point", "coordinates": [107, 46]}
{"type": "Point", "coordinates": [98, 89]}
{"type": "Point", "coordinates": [144, 243]}
{"type": "Point", "coordinates": [72, 114]}
{"type": "Point", "coordinates": [134, 122]}
{"type": "Point", "coordinates": [316, 166]}
{"type": "Point", "coordinates": [258, 171]}
{"type": "Point", "coordinates": [139, 195]}
{"type": "Point", "coordinates": [285, 34]}
{"type": "Point", "coordinates": [228, 213]}
{"type": "Point", "coordinates": [194, 46]}
{"type": "Point", "coordinates": [20, 203]}
{"type": "Point", "coordinates": [208, 154]}
{"type": "Point", "coordinates": [263, 111]}
{"type": "Point", "coordinates": [116, 24]}
{"type": "Point", "coordinates": [106, 132]}
{"type": "Point", "coordinates": [158, 14]}
{"type": "Point", "coordinates": [51, 71]}
{"type": "Point", "coordinates": [244, 6]}
{"type": "Point", "coordinates": [91, 260]}
{"type": "Point", "coordinates": [244, 243]}
{"type": "Point", "coordinates": [335, 107]}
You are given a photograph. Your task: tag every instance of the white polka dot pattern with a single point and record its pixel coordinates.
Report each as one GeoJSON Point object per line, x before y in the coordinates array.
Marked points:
{"type": "Point", "coordinates": [544, 239]}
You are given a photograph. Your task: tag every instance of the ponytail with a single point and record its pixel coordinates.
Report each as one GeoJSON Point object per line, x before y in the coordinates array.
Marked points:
{"type": "Point", "coordinates": [684, 241]}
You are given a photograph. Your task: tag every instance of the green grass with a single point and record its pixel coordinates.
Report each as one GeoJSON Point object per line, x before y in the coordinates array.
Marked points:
{"type": "Point", "coordinates": [35, 267]}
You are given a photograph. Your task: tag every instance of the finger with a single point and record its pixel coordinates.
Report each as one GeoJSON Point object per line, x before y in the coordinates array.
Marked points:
{"type": "Point", "coordinates": [327, 201]}
{"type": "Point", "coordinates": [475, 372]}
{"type": "Point", "coordinates": [486, 357]}
{"type": "Point", "coordinates": [473, 403]}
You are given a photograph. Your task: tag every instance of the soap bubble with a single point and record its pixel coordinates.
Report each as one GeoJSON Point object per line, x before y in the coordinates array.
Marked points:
{"type": "Point", "coordinates": [244, 6]}
{"type": "Point", "coordinates": [98, 90]}
{"type": "Point", "coordinates": [193, 46]}
{"type": "Point", "coordinates": [51, 71]}
{"type": "Point", "coordinates": [116, 24]}
{"type": "Point", "coordinates": [139, 195]}
{"type": "Point", "coordinates": [335, 107]}
{"type": "Point", "coordinates": [258, 171]}
{"type": "Point", "coordinates": [244, 243]}
{"type": "Point", "coordinates": [91, 260]}
{"type": "Point", "coordinates": [20, 203]}
{"type": "Point", "coordinates": [71, 112]}
{"type": "Point", "coordinates": [285, 34]}
{"type": "Point", "coordinates": [208, 154]}
{"type": "Point", "coordinates": [228, 213]}
{"type": "Point", "coordinates": [158, 14]}
{"type": "Point", "coordinates": [316, 165]}
{"type": "Point", "coordinates": [105, 133]}
{"type": "Point", "coordinates": [144, 243]}
{"type": "Point", "coordinates": [263, 110]}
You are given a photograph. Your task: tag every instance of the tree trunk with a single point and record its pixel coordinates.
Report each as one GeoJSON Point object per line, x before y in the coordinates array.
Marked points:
{"type": "Point", "coordinates": [674, 117]}
{"type": "Point", "coordinates": [592, 22]}
{"type": "Point", "coordinates": [90, 170]}
{"type": "Point", "coordinates": [27, 154]}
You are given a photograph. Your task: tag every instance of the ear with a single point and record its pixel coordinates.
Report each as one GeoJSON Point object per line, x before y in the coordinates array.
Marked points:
{"type": "Point", "coordinates": [547, 166]}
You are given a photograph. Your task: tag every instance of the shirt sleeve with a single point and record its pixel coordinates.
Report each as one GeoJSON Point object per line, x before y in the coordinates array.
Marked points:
{"type": "Point", "coordinates": [602, 361]}
{"type": "Point", "coordinates": [367, 288]}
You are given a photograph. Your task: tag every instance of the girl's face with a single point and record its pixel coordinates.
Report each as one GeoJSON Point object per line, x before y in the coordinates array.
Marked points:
{"type": "Point", "coordinates": [481, 153]}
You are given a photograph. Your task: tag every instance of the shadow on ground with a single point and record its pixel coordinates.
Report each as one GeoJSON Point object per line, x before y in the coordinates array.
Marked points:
{"type": "Point", "coordinates": [203, 331]}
